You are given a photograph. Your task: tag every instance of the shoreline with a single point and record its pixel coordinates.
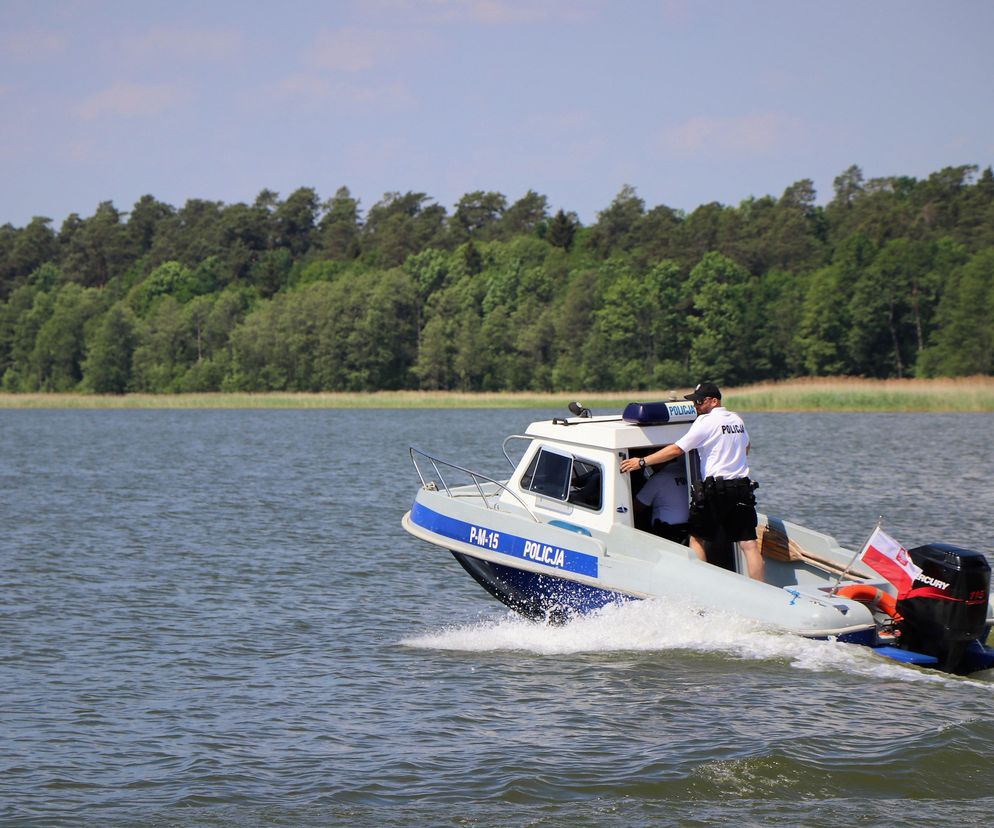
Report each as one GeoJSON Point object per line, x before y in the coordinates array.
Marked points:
{"type": "Point", "coordinates": [844, 394]}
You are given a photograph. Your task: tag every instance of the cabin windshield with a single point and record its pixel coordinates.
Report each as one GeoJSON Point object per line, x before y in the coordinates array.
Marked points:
{"type": "Point", "coordinates": [564, 477]}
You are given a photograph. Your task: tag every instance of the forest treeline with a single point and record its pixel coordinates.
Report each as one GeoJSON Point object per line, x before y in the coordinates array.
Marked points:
{"type": "Point", "coordinates": [893, 277]}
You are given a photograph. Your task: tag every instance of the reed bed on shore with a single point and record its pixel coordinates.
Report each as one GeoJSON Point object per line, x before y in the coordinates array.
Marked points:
{"type": "Point", "coordinates": [962, 394]}
{"type": "Point", "coordinates": [839, 394]}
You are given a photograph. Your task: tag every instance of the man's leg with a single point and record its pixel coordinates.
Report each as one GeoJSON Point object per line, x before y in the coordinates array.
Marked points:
{"type": "Point", "coordinates": [754, 560]}
{"type": "Point", "coordinates": [698, 546]}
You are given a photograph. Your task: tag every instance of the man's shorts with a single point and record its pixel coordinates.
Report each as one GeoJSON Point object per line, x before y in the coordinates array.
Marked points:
{"type": "Point", "coordinates": [733, 510]}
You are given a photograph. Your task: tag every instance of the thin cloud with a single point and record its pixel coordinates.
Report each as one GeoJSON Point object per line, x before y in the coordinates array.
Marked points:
{"type": "Point", "coordinates": [131, 100]}
{"type": "Point", "coordinates": [486, 12]}
{"type": "Point", "coordinates": [498, 13]}
{"type": "Point", "coordinates": [353, 49]}
{"type": "Point", "coordinates": [759, 134]}
{"type": "Point", "coordinates": [511, 12]}
{"type": "Point", "coordinates": [321, 90]}
{"type": "Point", "coordinates": [28, 46]}
{"type": "Point", "coordinates": [562, 122]}
{"type": "Point", "coordinates": [187, 44]}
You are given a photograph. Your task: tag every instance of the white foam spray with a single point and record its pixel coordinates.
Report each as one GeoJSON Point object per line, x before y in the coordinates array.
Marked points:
{"type": "Point", "coordinates": [652, 626]}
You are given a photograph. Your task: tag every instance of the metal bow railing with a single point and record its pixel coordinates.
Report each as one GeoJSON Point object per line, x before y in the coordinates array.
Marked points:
{"type": "Point", "coordinates": [488, 489]}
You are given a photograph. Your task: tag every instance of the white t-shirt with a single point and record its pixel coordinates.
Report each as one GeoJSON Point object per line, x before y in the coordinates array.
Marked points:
{"type": "Point", "coordinates": [721, 439]}
{"type": "Point", "coordinates": [666, 490]}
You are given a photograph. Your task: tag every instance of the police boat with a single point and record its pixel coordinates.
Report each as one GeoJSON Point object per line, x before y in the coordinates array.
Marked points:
{"type": "Point", "coordinates": [560, 537]}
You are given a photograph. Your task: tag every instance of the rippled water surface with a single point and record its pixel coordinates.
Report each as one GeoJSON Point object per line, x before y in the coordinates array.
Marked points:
{"type": "Point", "coordinates": [214, 618]}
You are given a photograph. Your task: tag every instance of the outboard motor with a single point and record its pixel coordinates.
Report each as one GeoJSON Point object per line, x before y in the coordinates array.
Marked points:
{"type": "Point", "coordinates": [946, 608]}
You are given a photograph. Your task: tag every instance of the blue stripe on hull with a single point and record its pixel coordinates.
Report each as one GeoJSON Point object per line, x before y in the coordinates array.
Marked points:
{"type": "Point", "coordinates": [492, 540]}
{"type": "Point", "coordinates": [535, 595]}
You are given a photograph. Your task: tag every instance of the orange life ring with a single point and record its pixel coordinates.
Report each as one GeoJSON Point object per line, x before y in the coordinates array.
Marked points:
{"type": "Point", "coordinates": [875, 598]}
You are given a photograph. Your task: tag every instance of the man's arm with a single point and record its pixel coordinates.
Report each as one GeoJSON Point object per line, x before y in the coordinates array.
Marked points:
{"type": "Point", "coordinates": [669, 452]}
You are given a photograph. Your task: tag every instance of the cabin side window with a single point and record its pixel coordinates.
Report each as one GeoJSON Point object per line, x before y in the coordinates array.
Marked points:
{"type": "Point", "coordinates": [586, 484]}
{"type": "Point", "coordinates": [564, 477]}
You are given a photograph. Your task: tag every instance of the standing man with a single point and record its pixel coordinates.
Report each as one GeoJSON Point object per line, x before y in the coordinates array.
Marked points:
{"type": "Point", "coordinates": [726, 500]}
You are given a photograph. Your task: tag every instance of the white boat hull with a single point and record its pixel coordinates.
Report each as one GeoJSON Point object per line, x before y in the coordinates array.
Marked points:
{"type": "Point", "coordinates": [579, 572]}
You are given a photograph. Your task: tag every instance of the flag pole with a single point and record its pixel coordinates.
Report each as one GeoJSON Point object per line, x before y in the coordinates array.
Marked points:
{"type": "Point", "coordinates": [845, 571]}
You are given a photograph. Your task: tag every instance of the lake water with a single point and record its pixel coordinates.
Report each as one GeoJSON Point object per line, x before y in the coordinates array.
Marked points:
{"type": "Point", "coordinates": [214, 618]}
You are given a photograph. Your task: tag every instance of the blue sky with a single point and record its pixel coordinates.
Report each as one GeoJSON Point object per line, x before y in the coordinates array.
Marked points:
{"type": "Point", "coordinates": [688, 102]}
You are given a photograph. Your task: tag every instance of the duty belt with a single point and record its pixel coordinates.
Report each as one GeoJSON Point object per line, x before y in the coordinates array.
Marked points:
{"type": "Point", "coordinates": [741, 488]}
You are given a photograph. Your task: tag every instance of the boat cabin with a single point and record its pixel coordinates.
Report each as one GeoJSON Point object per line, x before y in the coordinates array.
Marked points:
{"type": "Point", "coordinates": [570, 466]}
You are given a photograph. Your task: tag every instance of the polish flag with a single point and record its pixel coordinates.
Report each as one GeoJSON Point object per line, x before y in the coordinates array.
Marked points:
{"type": "Point", "coordinates": [888, 558]}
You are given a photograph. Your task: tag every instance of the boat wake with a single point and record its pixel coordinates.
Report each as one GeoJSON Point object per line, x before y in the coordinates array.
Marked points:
{"type": "Point", "coordinates": [652, 626]}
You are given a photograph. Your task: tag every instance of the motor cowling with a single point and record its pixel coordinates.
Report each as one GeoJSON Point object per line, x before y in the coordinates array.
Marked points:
{"type": "Point", "coordinates": [946, 607]}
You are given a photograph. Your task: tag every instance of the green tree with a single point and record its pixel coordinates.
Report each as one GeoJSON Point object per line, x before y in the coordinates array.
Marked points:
{"type": "Point", "coordinates": [164, 350]}
{"type": "Point", "coordinates": [8, 237]}
{"type": "Point", "coordinates": [523, 218]}
{"type": "Point", "coordinates": [271, 273]}
{"type": "Point", "coordinates": [28, 310]}
{"type": "Point", "coordinates": [339, 226]}
{"type": "Point", "coordinates": [382, 343]}
{"type": "Point", "coordinates": [702, 232]}
{"type": "Point", "coordinates": [169, 279]}
{"type": "Point", "coordinates": [209, 322]}
{"type": "Point", "coordinates": [107, 366]}
{"type": "Point", "coordinates": [208, 369]}
{"type": "Point", "coordinates": [658, 234]}
{"type": "Point", "coordinates": [637, 338]}
{"type": "Point", "coordinates": [573, 323]}
{"type": "Point", "coordinates": [472, 260]}
{"type": "Point", "coordinates": [16, 335]}
{"type": "Point", "coordinates": [143, 223]}
{"type": "Point", "coordinates": [938, 199]}
{"type": "Point", "coordinates": [776, 318]}
{"type": "Point", "coordinates": [975, 215]}
{"type": "Point", "coordinates": [295, 221]}
{"type": "Point", "coordinates": [399, 225]}
{"type": "Point", "coordinates": [28, 249]}
{"type": "Point", "coordinates": [46, 277]}
{"type": "Point", "coordinates": [476, 215]}
{"type": "Point", "coordinates": [825, 333]}
{"type": "Point", "coordinates": [429, 269]}
{"type": "Point", "coordinates": [962, 343]}
{"type": "Point", "coordinates": [796, 232]}
{"type": "Point", "coordinates": [617, 227]}
{"type": "Point", "coordinates": [191, 235]}
{"type": "Point", "coordinates": [892, 301]}
{"type": "Point", "coordinates": [562, 230]}
{"type": "Point", "coordinates": [243, 236]}
{"type": "Point", "coordinates": [824, 321]}
{"type": "Point", "coordinates": [99, 248]}
{"type": "Point", "coordinates": [848, 188]}
{"type": "Point", "coordinates": [720, 292]}
{"type": "Point", "coordinates": [438, 346]}
{"type": "Point", "coordinates": [452, 352]}
{"type": "Point", "coordinates": [59, 347]}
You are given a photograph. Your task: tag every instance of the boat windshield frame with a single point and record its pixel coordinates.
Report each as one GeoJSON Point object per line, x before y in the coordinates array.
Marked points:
{"type": "Point", "coordinates": [503, 447]}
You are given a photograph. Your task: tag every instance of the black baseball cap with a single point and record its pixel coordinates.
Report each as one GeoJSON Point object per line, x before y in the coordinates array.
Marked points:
{"type": "Point", "coordinates": [703, 390]}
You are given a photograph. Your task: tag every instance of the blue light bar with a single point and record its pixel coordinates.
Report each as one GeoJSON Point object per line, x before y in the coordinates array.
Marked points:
{"type": "Point", "coordinates": [658, 413]}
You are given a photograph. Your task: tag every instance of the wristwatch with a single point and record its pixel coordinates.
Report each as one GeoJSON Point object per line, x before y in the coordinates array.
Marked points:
{"type": "Point", "coordinates": [641, 462]}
